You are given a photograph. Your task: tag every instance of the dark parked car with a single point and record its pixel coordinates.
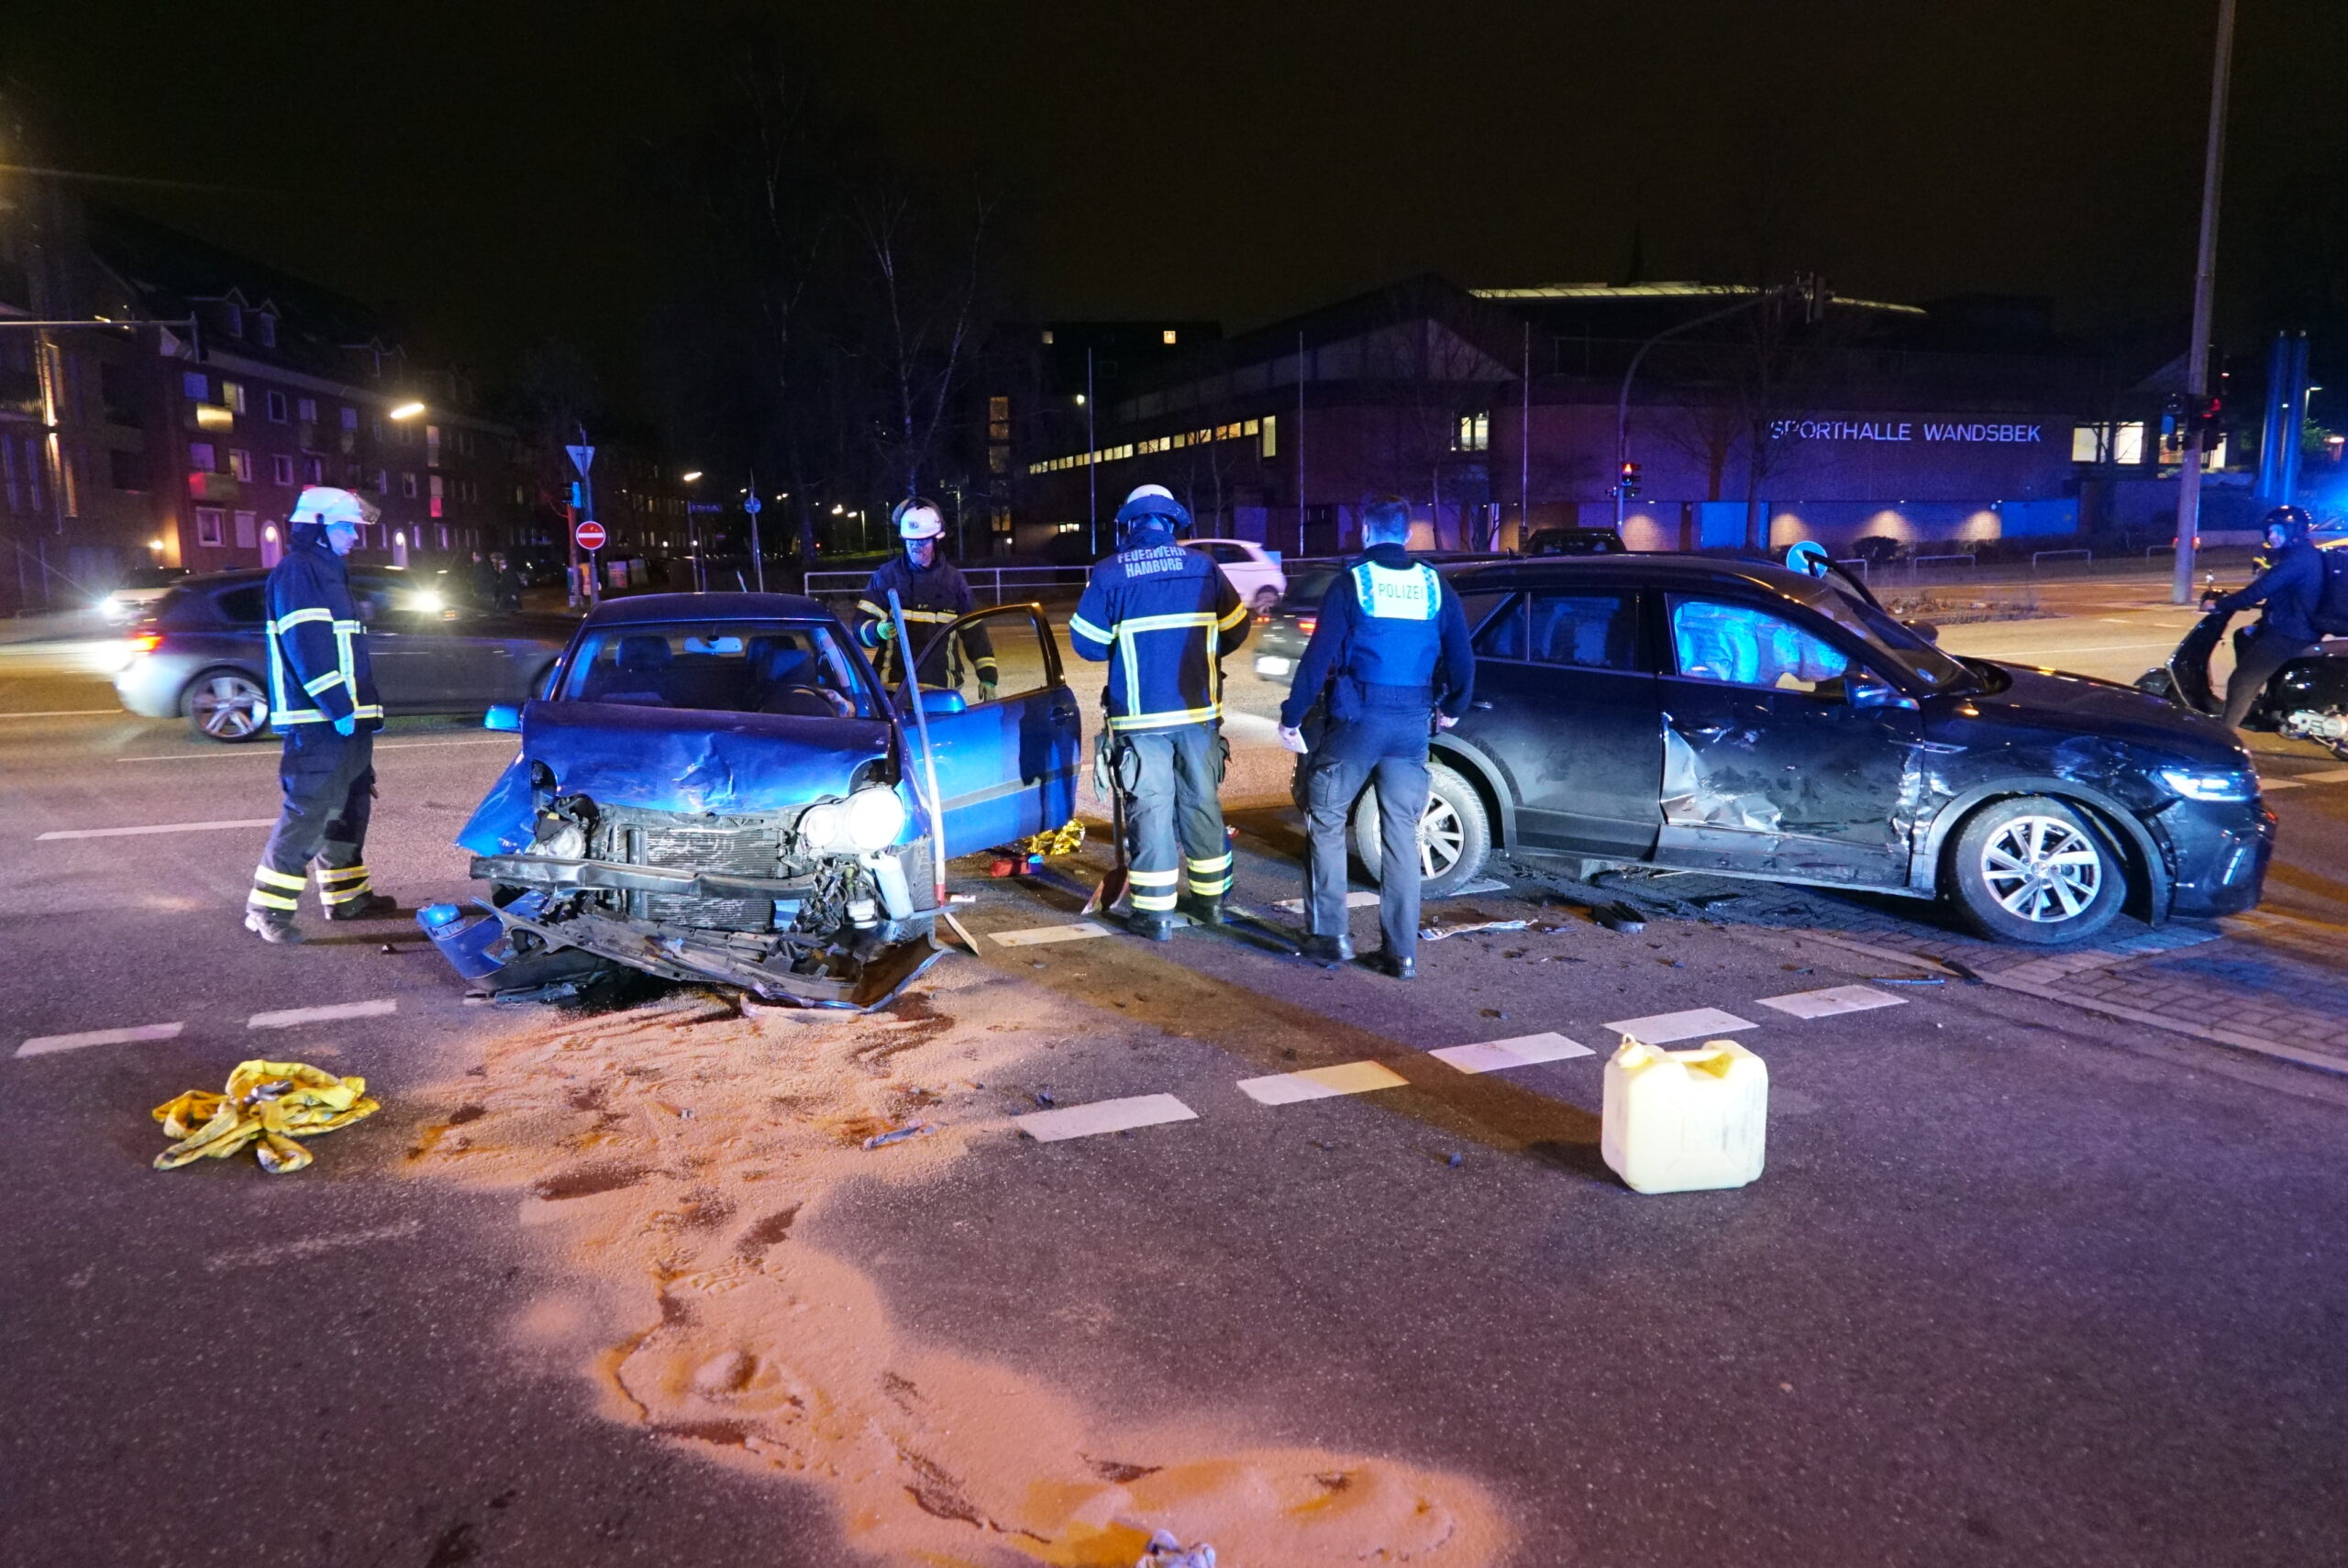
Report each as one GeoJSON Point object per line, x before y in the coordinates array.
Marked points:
{"type": "Point", "coordinates": [1574, 542]}
{"type": "Point", "coordinates": [1281, 632]}
{"type": "Point", "coordinates": [201, 653]}
{"type": "Point", "coordinates": [1741, 719]}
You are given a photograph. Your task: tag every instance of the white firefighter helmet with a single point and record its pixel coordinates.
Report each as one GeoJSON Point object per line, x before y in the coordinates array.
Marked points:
{"type": "Point", "coordinates": [323, 506]}
{"type": "Point", "coordinates": [917, 519]}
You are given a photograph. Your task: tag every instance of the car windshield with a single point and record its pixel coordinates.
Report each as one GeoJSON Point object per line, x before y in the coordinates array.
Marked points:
{"type": "Point", "coordinates": [1899, 645]}
{"type": "Point", "coordinates": [800, 668]}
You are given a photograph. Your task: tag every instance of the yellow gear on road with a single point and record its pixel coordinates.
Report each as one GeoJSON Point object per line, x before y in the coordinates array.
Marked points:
{"type": "Point", "coordinates": [1064, 840]}
{"type": "Point", "coordinates": [266, 1104]}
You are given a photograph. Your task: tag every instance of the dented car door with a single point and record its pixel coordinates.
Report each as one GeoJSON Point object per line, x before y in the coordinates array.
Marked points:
{"type": "Point", "coordinates": [1782, 753]}
{"type": "Point", "coordinates": [1007, 748]}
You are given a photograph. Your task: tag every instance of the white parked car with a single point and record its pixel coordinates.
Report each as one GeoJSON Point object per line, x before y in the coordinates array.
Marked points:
{"type": "Point", "coordinates": [1252, 569]}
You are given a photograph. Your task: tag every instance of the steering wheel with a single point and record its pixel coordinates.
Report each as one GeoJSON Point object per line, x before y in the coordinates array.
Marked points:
{"type": "Point", "coordinates": [840, 706]}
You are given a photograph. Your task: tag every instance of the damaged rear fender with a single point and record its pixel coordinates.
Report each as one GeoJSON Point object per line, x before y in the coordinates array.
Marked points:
{"type": "Point", "coordinates": [2148, 874]}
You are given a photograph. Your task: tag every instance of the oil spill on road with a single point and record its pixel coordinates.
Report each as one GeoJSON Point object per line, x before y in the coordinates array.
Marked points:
{"type": "Point", "coordinates": [675, 1156]}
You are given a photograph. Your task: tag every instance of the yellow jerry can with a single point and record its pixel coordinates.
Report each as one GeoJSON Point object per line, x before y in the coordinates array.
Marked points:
{"type": "Point", "coordinates": [1685, 1120]}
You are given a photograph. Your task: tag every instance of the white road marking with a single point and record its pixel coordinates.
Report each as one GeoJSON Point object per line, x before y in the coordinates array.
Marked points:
{"type": "Point", "coordinates": [1321, 1083]}
{"type": "Point", "coordinates": [159, 827]}
{"type": "Point", "coordinates": [249, 753]}
{"type": "Point", "coordinates": [1662, 1028]}
{"type": "Point", "coordinates": [309, 1246]}
{"type": "Point", "coordinates": [42, 1044]}
{"type": "Point", "coordinates": [1036, 935]}
{"type": "Point", "coordinates": [376, 1009]}
{"type": "Point", "coordinates": [2322, 775]}
{"type": "Point", "coordinates": [67, 714]}
{"type": "Point", "coordinates": [1353, 902]}
{"type": "Point", "coordinates": [1102, 1116]}
{"type": "Point", "coordinates": [1524, 1051]}
{"type": "Point", "coordinates": [2268, 786]}
{"type": "Point", "coordinates": [1832, 1000]}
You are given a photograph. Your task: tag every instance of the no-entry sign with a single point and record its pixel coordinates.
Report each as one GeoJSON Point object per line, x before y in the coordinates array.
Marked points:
{"type": "Point", "coordinates": [590, 534]}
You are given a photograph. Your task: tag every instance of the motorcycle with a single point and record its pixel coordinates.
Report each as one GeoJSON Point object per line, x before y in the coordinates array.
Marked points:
{"type": "Point", "coordinates": [2305, 700]}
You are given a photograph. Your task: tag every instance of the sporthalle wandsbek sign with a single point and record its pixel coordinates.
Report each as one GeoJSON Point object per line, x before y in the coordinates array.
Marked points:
{"type": "Point", "coordinates": [1979, 431]}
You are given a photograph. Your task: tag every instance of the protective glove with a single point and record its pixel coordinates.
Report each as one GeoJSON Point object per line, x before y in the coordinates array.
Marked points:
{"type": "Point", "coordinates": [884, 630]}
{"type": "Point", "coordinates": [347, 726]}
{"type": "Point", "coordinates": [1444, 721]}
{"type": "Point", "coordinates": [1293, 740]}
{"type": "Point", "coordinates": [986, 690]}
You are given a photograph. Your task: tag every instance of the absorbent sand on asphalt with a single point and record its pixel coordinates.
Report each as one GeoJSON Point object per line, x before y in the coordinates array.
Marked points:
{"type": "Point", "coordinates": [675, 1158]}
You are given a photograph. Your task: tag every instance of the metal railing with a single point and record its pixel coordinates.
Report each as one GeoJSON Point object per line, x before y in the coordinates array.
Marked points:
{"type": "Point", "coordinates": [2038, 555]}
{"type": "Point", "coordinates": [988, 585]}
{"type": "Point", "coordinates": [1915, 562]}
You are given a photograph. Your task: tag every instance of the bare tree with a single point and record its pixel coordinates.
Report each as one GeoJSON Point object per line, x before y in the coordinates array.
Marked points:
{"type": "Point", "coordinates": [929, 314]}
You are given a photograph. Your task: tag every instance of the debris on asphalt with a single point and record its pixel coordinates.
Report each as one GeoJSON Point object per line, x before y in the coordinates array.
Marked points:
{"type": "Point", "coordinates": [1961, 971]}
{"type": "Point", "coordinates": [1455, 1161]}
{"type": "Point", "coordinates": [1438, 933]}
{"type": "Point", "coordinates": [1684, 1120]}
{"type": "Point", "coordinates": [1044, 1097]}
{"type": "Point", "coordinates": [1706, 900]}
{"type": "Point", "coordinates": [1166, 1551]}
{"type": "Point", "coordinates": [962, 898]}
{"type": "Point", "coordinates": [266, 1105]}
{"type": "Point", "coordinates": [1616, 915]}
{"type": "Point", "coordinates": [1064, 840]}
{"type": "Point", "coordinates": [899, 1134]}
{"type": "Point", "coordinates": [1002, 865]}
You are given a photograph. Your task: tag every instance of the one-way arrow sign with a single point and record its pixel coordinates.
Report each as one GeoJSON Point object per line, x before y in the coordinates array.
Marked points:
{"type": "Point", "coordinates": [582, 459]}
{"type": "Point", "coordinates": [753, 506]}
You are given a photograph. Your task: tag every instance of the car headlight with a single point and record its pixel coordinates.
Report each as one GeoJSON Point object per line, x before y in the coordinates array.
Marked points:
{"type": "Point", "coordinates": [428, 601]}
{"type": "Point", "coordinates": [875, 818]}
{"type": "Point", "coordinates": [820, 825]}
{"type": "Point", "coordinates": [2211, 783]}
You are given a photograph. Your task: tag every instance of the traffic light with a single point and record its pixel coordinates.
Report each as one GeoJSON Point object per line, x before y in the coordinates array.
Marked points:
{"type": "Point", "coordinates": [2207, 416]}
{"type": "Point", "coordinates": [1628, 483]}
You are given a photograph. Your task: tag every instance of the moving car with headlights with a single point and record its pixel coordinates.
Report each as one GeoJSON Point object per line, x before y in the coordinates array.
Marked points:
{"type": "Point", "coordinates": [1744, 720]}
{"type": "Point", "coordinates": [1254, 572]}
{"type": "Point", "coordinates": [201, 655]}
{"type": "Point", "coordinates": [139, 593]}
{"type": "Point", "coordinates": [716, 786]}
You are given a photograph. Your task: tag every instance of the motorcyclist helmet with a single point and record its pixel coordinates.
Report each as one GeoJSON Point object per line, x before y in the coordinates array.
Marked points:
{"type": "Point", "coordinates": [2294, 521]}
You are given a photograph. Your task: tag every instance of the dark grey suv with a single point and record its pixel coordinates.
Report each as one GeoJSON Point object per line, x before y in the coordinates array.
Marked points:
{"type": "Point", "coordinates": [201, 653]}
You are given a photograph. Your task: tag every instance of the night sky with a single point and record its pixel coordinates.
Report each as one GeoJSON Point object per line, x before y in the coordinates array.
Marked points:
{"type": "Point", "coordinates": [479, 163]}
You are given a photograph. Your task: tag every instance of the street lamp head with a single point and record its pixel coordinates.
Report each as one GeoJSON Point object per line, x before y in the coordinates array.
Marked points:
{"type": "Point", "coordinates": [837, 509]}
{"type": "Point", "coordinates": [1079, 400]}
{"type": "Point", "coordinates": [408, 410]}
{"type": "Point", "coordinates": [690, 476]}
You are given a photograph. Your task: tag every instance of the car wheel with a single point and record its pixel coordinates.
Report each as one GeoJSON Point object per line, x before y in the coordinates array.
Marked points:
{"type": "Point", "coordinates": [2033, 869]}
{"type": "Point", "coordinates": [1454, 835]}
{"type": "Point", "coordinates": [1265, 599]}
{"type": "Point", "coordinates": [226, 705]}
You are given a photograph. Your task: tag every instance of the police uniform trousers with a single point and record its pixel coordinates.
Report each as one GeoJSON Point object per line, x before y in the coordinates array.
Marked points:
{"type": "Point", "coordinates": [1387, 747]}
{"type": "Point", "coordinates": [330, 783]}
{"type": "Point", "coordinates": [1177, 816]}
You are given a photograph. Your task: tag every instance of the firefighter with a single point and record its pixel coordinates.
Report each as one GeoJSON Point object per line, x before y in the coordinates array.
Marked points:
{"type": "Point", "coordinates": [1391, 648]}
{"type": "Point", "coordinates": [2290, 587]}
{"type": "Point", "coordinates": [322, 699]}
{"type": "Point", "coordinates": [932, 594]}
{"type": "Point", "coordinates": [1165, 618]}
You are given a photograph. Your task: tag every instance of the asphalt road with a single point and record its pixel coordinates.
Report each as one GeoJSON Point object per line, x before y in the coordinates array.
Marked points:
{"type": "Point", "coordinates": [2018, 1286]}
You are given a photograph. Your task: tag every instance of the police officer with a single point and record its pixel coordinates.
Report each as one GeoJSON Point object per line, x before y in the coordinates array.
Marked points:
{"type": "Point", "coordinates": [322, 697]}
{"type": "Point", "coordinates": [1165, 618]}
{"type": "Point", "coordinates": [2290, 587]}
{"type": "Point", "coordinates": [932, 594]}
{"type": "Point", "coordinates": [1390, 661]}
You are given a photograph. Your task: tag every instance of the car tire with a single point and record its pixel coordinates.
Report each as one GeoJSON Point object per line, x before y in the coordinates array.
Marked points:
{"type": "Point", "coordinates": [1455, 836]}
{"type": "Point", "coordinates": [1265, 599]}
{"type": "Point", "coordinates": [2036, 869]}
{"type": "Point", "coordinates": [230, 706]}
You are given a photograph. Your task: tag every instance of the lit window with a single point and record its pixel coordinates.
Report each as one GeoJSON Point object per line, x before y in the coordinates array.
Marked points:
{"type": "Point", "coordinates": [201, 457]}
{"type": "Point", "coordinates": [2128, 442]}
{"type": "Point", "coordinates": [1048, 336]}
{"type": "Point", "coordinates": [2086, 443]}
{"type": "Point", "coordinates": [1474, 435]}
{"type": "Point", "coordinates": [437, 495]}
{"type": "Point", "coordinates": [998, 408]}
{"type": "Point", "coordinates": [233, 394]}
{"type": "Point", "coordinates": [207, 525]}
{"type": "Point", "coordinates": [1271, 435]}
{"type": "Point", "coordinates": [240, 463]}
{"type": "Point", "coordinates": [276, 401]}
{"type": "Point", "coordinates": [998, 459]}
{"type": "Point", "coordinates": [192, 384]}
{"type": "Point", "coordinates": [1166, 336]}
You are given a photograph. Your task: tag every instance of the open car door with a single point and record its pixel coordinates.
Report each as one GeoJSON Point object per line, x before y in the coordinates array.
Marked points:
{"type": "Point", "coordinates": [1006, 763]}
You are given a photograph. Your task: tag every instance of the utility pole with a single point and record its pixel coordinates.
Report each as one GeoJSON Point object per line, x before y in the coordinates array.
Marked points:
{"type": "Point", "coordinates": [1300, 444]}
{"type": "Point", "coordinates": [583, 458]}
{"type": "Point", "coordinates": [2205, 278]}
{"type": "Point", "coordinates": [1091, 464]}
{"type": "Point", "coordinates": [1524, 449]}
{"type": "Point", "coordinates": [754, 506]}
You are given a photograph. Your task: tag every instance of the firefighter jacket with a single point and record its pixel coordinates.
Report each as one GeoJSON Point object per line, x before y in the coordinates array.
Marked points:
{"type": "Point", "coordinates": [932, 599]}
{"type": "Point", "coordinates": [1392, 636]}
{"type": "Point", "coordinates": [318, 670]}
{"type": "Point", "coordinates": [1165, 618]}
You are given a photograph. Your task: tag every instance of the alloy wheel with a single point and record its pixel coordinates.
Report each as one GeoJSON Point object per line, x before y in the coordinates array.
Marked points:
{"type": "Point", "coordinates": [2042, 870]}
{"type": "Point", "coordinates": [229, 707]}
{"type": "Point", "coordinates": [1442, 837]}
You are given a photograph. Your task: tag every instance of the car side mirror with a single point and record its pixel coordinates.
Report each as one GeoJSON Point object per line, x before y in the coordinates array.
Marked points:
{"type": "Point", "coordinates": [1925, 630]}
{"type": "Point", "coordinates": [1866, 691]}
{"type": "Point", "coordinates": [942, 703]}
{"type": "Point", "coordinates": [503, 716]}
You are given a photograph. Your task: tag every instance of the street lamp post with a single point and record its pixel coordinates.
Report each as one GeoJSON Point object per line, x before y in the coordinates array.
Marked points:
{"type": "Point", "coordinates": [2205, 280]}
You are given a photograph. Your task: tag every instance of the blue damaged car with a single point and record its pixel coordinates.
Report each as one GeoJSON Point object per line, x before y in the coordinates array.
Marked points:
{"type": "Point", "coordinates": [718, 788]}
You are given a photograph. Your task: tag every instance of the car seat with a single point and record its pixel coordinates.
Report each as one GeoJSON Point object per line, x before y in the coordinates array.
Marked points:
{"type": "Point", "coordinates": [642, 659]}
{"type": "Point", "coordinates": [792, 683]}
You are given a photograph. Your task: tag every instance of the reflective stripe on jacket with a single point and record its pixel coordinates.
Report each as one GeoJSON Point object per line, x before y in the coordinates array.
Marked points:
{"type": "Point", "coordinates": [1165, 618]}
{"type": "Point", "coordinates": [318, 667]}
